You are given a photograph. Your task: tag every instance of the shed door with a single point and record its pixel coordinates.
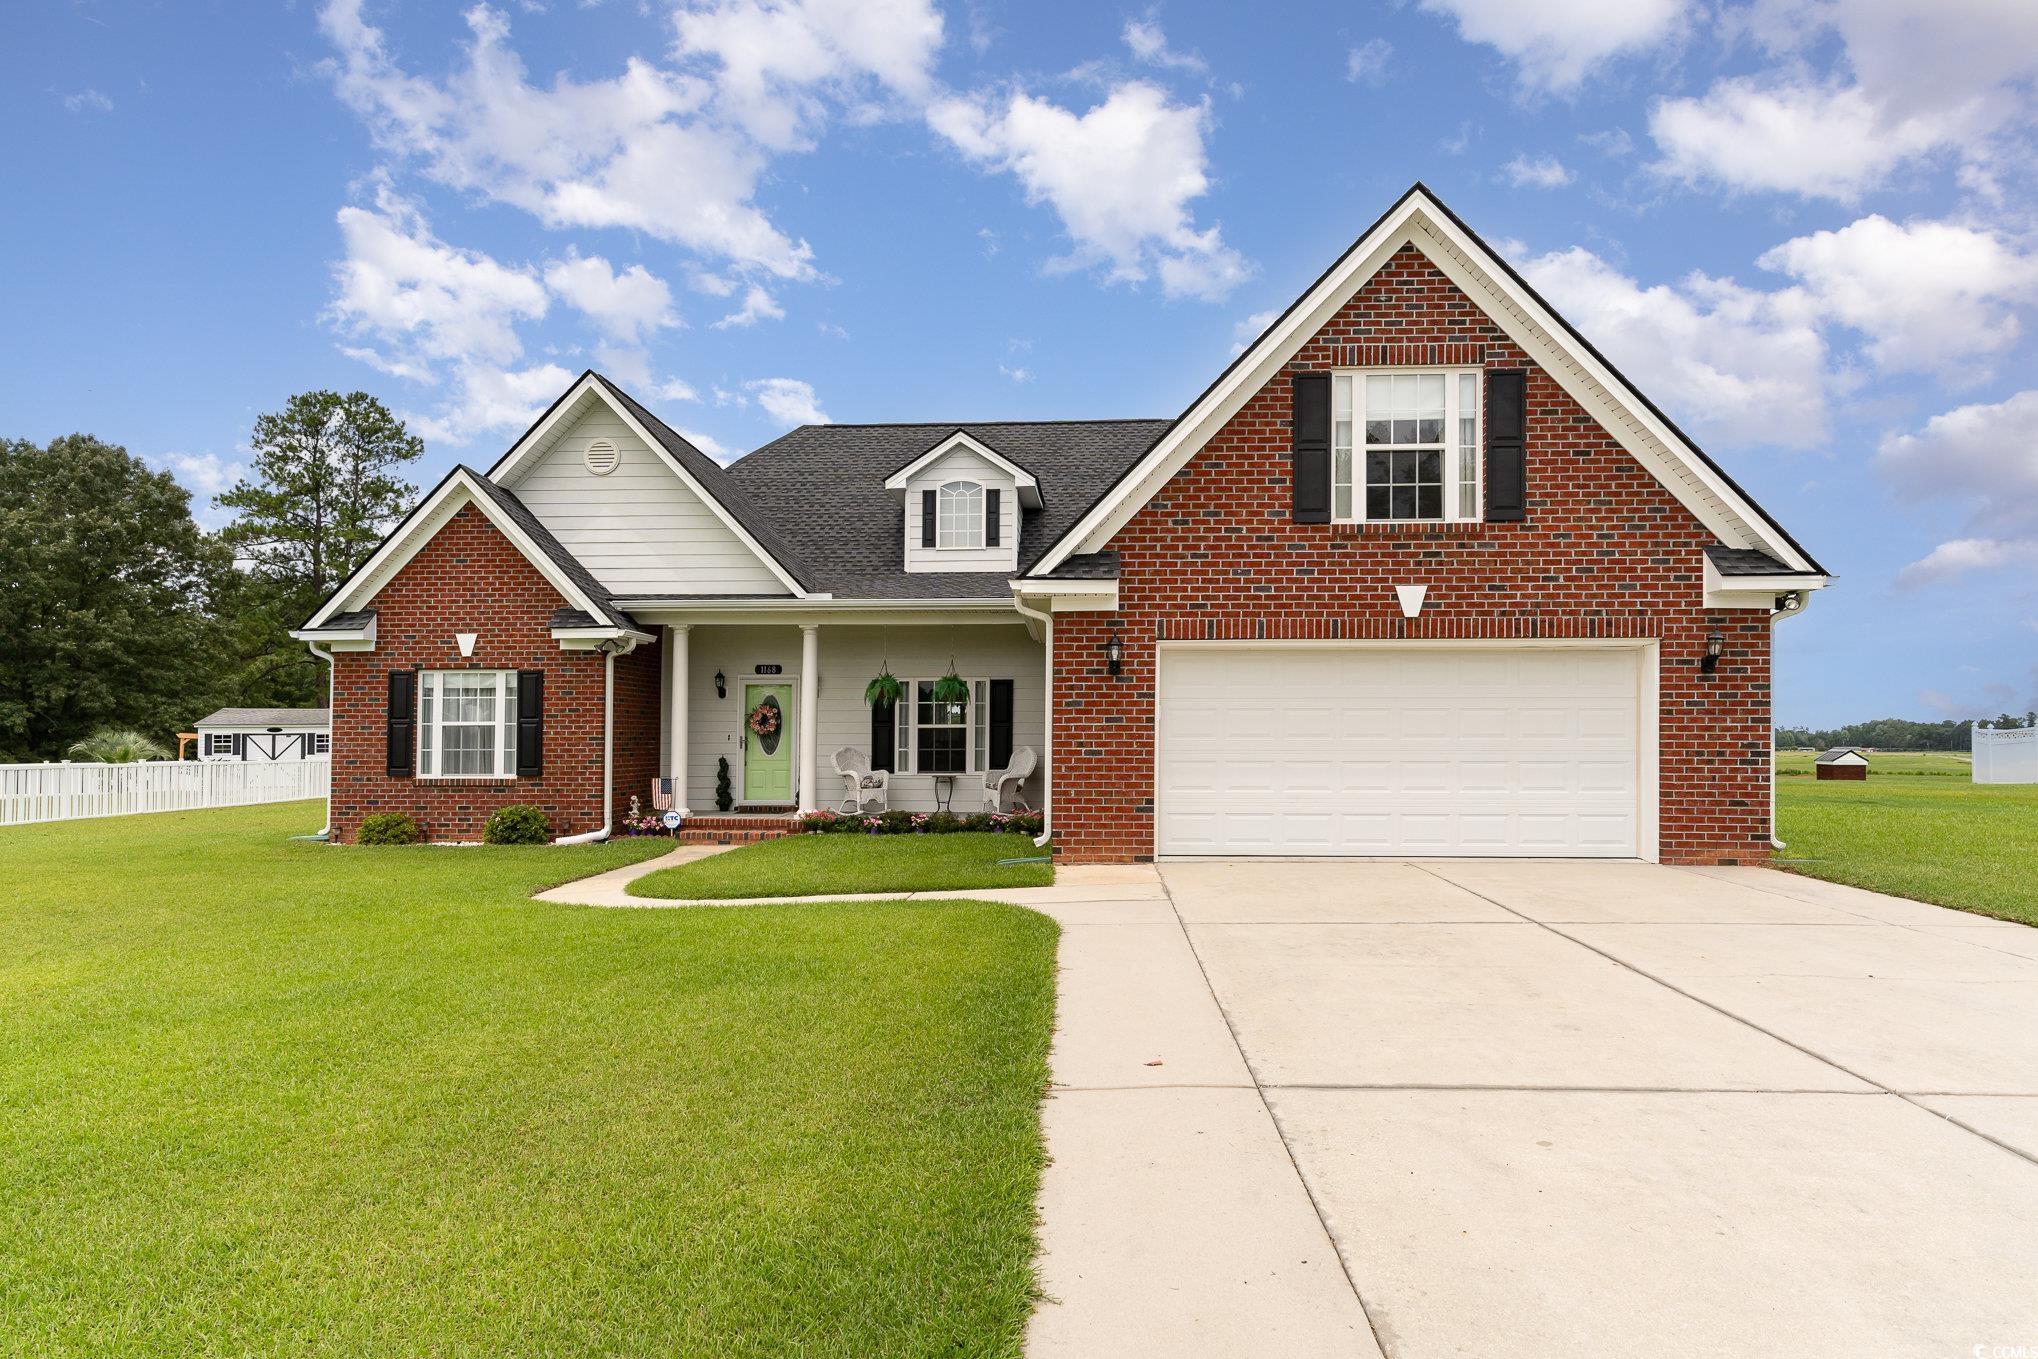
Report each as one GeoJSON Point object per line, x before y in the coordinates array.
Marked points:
{"type": "Point", "coordinates": [1399, 751]}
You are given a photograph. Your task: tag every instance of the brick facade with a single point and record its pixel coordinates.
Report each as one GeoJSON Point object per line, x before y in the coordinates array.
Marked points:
{"type": "Point", "coordinates": [469, 578]}
{"type": "Point", "coordinates": [1605, 551]}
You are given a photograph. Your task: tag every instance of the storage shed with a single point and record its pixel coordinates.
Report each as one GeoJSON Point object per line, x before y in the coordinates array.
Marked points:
{"type": "Point", "coordinates": [265, 734]}
{"type": "Point", "coordinates": [1842, 762]}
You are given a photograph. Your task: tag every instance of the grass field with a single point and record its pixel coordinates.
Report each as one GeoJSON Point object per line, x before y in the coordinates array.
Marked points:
{"type": "Point", "coordinates": [260, 1097]}
{"type": "Point", "coordinates": [1954, 764]}
{"type": "Point", "coordinates": [1916, 827]}
{"type": "Point", "coordinates": [807, 865]}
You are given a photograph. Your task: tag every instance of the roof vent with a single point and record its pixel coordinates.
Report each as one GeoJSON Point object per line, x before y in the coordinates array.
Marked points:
{"type": "Point", "coordinates": [602, 457]}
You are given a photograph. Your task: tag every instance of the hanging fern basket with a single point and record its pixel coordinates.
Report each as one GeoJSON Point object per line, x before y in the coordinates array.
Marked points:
{"type": "Point", "coordinates": [884, 691]}
{"type": "Point", "coordinates": [951, 688]}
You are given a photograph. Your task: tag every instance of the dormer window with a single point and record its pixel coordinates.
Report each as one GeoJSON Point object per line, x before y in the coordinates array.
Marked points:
{"type": "Point", "coordinates": [959, 515]}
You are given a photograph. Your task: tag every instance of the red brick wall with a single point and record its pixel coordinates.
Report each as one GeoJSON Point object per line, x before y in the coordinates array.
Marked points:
{"type": "Point", "coordinates": [1605, 551]}
{"type": "Point", "coordinates": [470, 578]}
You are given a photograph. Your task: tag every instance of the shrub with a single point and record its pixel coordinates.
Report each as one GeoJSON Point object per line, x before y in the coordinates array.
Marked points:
{"type": "Point", "coordinates": [725, 796]}
{"type": "Point", "coordinates": [896, 822]}
{"type": "Point", "coordinates": [1022, 823]}
{"type": "Point", "coordinates": [517, 824]}
{"type": "Point", "coordinates": [978, 822]}
{"type": "Point", "coordinates": [819, 823]}
{"type": "Point", "coordinates": [942, 823]}
{"type": "Point", "coordinates": [388, 828]}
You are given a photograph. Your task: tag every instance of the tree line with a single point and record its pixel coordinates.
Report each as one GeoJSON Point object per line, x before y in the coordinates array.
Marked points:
{"type": "Point", "coordinates": [1897, 733]}
{"type": "Point", "coordinates": [117, 610]}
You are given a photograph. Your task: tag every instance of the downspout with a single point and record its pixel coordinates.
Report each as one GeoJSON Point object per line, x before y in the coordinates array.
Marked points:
{"type": "Point", "coordinates": [609, 651]}
{"type": "Point", "coordinates": [1046, 621]}
{"type": "Point", "coordinates": [332, 689]}
{"type": "Point", "coordinates": [1793, 605]}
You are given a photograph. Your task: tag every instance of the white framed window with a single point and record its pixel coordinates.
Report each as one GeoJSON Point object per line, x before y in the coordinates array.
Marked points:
{"type": "Point", "coordinates": [467, 724]}
{"type": "Point", "coordinates": [1405, 445]}
{"type": "Point", "coordinates": [959, 515]}
{"type": "Point", "coordinates": [219, 743]}
{"type": "Point", "coordinates": [942, 738]}
{"type": "Point", "coordinates": [321, 743]}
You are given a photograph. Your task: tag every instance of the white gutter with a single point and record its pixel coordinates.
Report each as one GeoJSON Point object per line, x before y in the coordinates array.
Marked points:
{"type": "Point", "coordinates": [1798, 599]}
{"type": "Point", "coordinates": [1046, 621]}
{"type": "Point", "coordinates": [332, 681]}
{"type": "Point", "coordinates": [610, 650]}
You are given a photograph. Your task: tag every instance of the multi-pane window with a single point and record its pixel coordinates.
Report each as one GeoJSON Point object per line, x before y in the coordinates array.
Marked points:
{"type": "Point", "coordinates": [1405, 445]}
{"type": "Point", "coordinates": [467, 724]}
{"type": "Point", "coordinates": [321, 743]}
{"type": "Point", "coordinates": [959, 515]}
{"type": "Point", "coordinates": [219, 743]}
{"type": "Point", "coordinates": [943, 738]}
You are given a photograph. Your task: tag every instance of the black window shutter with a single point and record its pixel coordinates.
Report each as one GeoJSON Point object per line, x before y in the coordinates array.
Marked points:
{"type": "Point", "coordinates": [530, 723]}
{"type": "Point", "coordinates": [403, 723]}
{"type": "Point", "coordinates": [991, 517]}
{"type": "Point", "coordinates": [1506, 445]}
{"type": "Point", "coordinates": [1309, 459]}
{"type": "Point", "coordinates": [884, 739]}
{"type": "Point", "coordinates": [240, 745]}
{"type": "Point", "coordinates": [1001, 723]}
{"type": "Point", "coordinates": [926, 518]}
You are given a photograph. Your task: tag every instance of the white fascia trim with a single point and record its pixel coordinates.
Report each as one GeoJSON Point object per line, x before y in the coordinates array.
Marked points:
{"type": "Point", "coordinates": [819, 605]}
{"type": "Point", "coordinates": [1029, 487]}
{"type": "Point", "coordinates": [1413, 223]}
{"type": "Point", "coordinates": [593, 639]}
{"type": "Point", "coordinates": [505, 471]}
{"type": "Point", "coordinates": [338, 639]}
{"type": "Point", "coordinates": [1755, 592]}
{"type": "Point", "coordinates": [456, 491]}
{"type": "Point", "coordinates": [1067, 596]}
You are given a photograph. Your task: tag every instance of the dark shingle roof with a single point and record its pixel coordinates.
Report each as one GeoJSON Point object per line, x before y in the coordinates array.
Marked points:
{"type": "Point", "coordinates": [1747, 561]}
{"type": "Point", "coordinates": [1087, 566]}
{"type": "Point", "coordinates": [617, 616]}
{"type": "Point", "coordinates": [1837, 751]}
{"type": "Point", "coordinates": [827, 482]}
{"type": "Point", "coordinates": [346, 622]}
{"type": "Point", "coordinates": [268, 717]}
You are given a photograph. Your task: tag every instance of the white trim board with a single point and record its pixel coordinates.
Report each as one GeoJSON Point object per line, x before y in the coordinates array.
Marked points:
{"type": "Point", "coordinates": [554, 423]}
{"type": "Point", "coordinates": [1420, 220]}
{"type": "Point", "coordinates": [1028, 487]}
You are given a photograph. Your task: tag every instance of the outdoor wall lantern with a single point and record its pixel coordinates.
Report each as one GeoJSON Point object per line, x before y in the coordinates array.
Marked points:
{"type": "Point", "coordinates": [1714, 644]}
{"type": "Point", "coordinates": [721, 685]}
{"type": "Point", "coordinates": [1114, 653]}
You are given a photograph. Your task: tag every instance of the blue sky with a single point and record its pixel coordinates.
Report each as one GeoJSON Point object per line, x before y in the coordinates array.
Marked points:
{"type": "Point", "coordinates": [1805, 227]}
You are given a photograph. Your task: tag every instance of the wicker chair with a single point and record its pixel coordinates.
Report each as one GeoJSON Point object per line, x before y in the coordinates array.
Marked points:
{"type": "Point", "coordinates": [865, 787]}
{"type": "Point", "coordinates": [1015, 773]}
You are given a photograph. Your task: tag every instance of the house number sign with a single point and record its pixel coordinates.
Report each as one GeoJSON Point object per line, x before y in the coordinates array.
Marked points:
{"type": "Point", "coordinates": [771, 670]}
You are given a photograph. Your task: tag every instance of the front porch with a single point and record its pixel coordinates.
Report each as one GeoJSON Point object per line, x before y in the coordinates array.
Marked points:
{"type": "Point", "coordinates": [809, 678]}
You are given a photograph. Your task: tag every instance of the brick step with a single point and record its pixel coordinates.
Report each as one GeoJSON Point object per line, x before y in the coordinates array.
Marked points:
{"type": "Point", "coordinates": [723, 835]}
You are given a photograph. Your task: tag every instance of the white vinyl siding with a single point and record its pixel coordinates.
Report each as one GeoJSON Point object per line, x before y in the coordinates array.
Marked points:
{"type": "Point", "coordinates": [639, 528]}
{"type": "Point", "coordinates": [850, 656]}
{"type": "Point", "coordinates": [1404, 750]}
{"type": "Point", "coordinates": [967, 466]}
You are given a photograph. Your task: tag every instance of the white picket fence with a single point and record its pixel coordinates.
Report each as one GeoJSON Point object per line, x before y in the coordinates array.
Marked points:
{"type": "Point", "coordinates": [64, 792]}
{"type": "Point", "coordinates": [2007, 756]}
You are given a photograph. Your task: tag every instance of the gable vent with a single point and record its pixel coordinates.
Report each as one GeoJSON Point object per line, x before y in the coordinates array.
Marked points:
{"type": "Point", "coordinates": [603, 457]}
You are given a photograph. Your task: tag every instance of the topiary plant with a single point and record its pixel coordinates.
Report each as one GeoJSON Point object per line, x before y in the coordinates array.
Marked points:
{"type": "Point", "coordinates": [388, 828]}
{"type": "Point", "coordinates": [517, 824]}
{"type": "Point", "coordinates": [725, 796]}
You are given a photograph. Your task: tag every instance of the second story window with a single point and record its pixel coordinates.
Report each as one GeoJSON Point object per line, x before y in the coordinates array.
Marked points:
{"type": "Point", "coordinates": [1405, 445]}
{"type": "Point", "coordinates": [959, 515]}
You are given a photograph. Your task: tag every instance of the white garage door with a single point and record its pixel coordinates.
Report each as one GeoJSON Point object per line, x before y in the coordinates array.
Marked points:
{"type": "Point", "coordinates": [1399, 751]}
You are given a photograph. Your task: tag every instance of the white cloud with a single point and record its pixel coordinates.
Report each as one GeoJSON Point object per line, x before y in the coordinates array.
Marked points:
{"type": "Point", "coordinates": [635, 151]}
{"type": "Point", "coordinates": [788, 400]}
{"type": "Point", "coordinates": [1150, 45]}
{"type": "Point", "coordinates": [1366, 64]}
{"type": "Point", "coordinates": [422, 299]}
{"type": "Point", "coordinates": [1821, 141]}
{"type": "Point", "coordinates": [1541, 172]}
{"type": "Point", "coordinates": [492, 399]}
{"type": "Point", "coordinates": [204, 474]}
{"type": "Point", "coordinates": [1730, 362]}
{"type": "Point", "coordinates": [674, 389]}
{"type": "Point", "coordinates": [1017, 375]}
{"type": "Point", "coordinates": [706, 443]}
{"type": "Point", "coordinates": [1929, 295]}
{"type": "Point", "coordinates": [1952, 560]}
{"type": "Point", "coordinates": [1251, 328]}
{"type": "Point", "coordinates": [88, 100]}
{"type": "Point", "coordinates": [1557, 42]}
{"type": "Point", "coordinates": [757, 305]}
{"type": "Point", "coordinates": [1120, 176]}
{"type": "Point", "coordinates": [626, 306]}
{"type": "Point", "coordinates": [1612, 141]}
{"type": "Point", "coordinates": [1982, 453]}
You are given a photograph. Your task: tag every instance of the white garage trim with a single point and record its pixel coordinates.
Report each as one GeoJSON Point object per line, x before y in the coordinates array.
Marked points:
{"type": "Point", "coordinates": [1648, 706]}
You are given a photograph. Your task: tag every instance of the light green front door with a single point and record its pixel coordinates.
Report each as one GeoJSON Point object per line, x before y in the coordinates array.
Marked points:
{"type": "Point", "coordinates": [768, 758]}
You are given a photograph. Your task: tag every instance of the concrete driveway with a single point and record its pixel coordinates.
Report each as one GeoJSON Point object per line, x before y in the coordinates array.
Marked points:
{"type": "Point", "coordinates": [1538, 1108]}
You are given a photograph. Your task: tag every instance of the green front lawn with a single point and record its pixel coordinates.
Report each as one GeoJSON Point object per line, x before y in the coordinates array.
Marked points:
{"type": "Point", "coordinates": [1914, 835]}
{"type": "Point", "coordinates": [265, 1097]}
{"type": "Point", "coordinates": [808, 865]}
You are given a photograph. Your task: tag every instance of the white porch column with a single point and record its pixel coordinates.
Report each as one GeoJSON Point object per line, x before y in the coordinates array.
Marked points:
{"type": "Point", "coordinates": [810, 693]}
{"type": "Point", "coordinates": [676, 716]}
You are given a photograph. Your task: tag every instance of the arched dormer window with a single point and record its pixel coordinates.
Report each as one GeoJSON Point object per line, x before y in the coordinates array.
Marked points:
{"type": "Point", "coordinates": [959, 515]}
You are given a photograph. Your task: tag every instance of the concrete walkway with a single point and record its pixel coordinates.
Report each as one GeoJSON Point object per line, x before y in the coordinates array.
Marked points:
{"type": "Point", "coordinates": [1519, 1108]}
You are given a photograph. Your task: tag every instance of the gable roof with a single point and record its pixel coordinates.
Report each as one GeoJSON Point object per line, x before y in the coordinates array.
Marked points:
{"type": "Point", "coordinates": [701, 474]}
{"type": "Point", "coordinates": [1023, 481]}
{"type": "Point", "coordinates": [830, 481]}
{"type": "Point", "coordinates": [512, 518]}
{"type": "Point", "coordinates": [1420, 219]}
{"type": "Point", "coordinates": [267, 717]}
{"type": "Point", "coordinates": [1838, 753]}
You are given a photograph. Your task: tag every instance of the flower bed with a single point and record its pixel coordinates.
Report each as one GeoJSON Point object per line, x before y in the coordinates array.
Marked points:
{"type": "Point", "coordinates": [919, 823]}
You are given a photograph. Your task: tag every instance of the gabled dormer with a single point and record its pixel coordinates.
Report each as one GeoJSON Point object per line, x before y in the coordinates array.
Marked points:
{"type": "Point", "coordinates": [964, 504]}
